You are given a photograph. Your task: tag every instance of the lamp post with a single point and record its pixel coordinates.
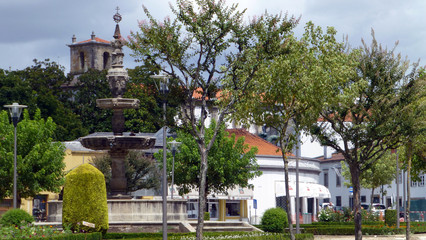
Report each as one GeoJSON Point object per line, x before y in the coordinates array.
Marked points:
{"type": "Point", "coordinates": [164, 90]}
{"type": "Point", "coordinates": [15, 112]}
{"type": "Point", "coordinates": [174, 145]}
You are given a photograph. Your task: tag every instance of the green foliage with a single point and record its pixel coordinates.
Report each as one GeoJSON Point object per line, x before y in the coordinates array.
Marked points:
{"type": "Point", "coordinates": [39, 160]}
{"type": "Point", "coordinates": [390, 217]}
{"type": "Point", "coordinates": [149, 116]}
{"type": "Point", "coordinates": [39, 87]}
{"type": "Point", "coordinates": [346, 215]}
{"type": "Point", "coordinates": [141, 171]}
{"type": "Point", "coordinates": [206, 43]}
{"type": "Point", "coordinates": [16, 217]}
{"type": "Point", "coordinates": [210, 235]}
{"type": "Point", "coordinates": [85, 199]}
{"type": "Point", "coordinates": [206, 216]}
{"type": "Point", "coordinates": [274, 220]}
{"type": "Point", "coordinates": [231, 162]}
{"type": "Point", "coordinates": [92, 85]}
{"type": "Point", "coordinates": [381, 172]}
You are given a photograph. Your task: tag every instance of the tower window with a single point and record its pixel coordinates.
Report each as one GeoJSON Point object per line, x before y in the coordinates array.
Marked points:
{"type": "Point", "coordinates": [82, 60]}
{"type": "Point", "coordinates": [106, 60]}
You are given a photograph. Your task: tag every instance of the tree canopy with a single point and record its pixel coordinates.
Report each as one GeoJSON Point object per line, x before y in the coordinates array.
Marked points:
{"type": "Point", "coordinates": [39, 87]}
{"type": "Point", "coordinates": [231, 162]}
{"type": "Point", "coordinates": [141, 171]}
{"type": "Point", "coordinates": [290, 90]}
{"type": "Point", "coordinates": [205, 43]}
{"type": "Point", "coordinates": [39, 160]}
{"type": "Point", "coordinates": [366, 116]}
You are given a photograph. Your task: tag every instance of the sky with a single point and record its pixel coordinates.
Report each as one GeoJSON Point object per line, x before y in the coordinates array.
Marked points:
{"type": "Point", "coordinates": [41, 29]}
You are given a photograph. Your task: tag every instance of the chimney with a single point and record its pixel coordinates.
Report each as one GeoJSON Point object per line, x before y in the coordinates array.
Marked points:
{"type": "Point", "coordinates": [93, 36]}
{"type": "Point", "coordinates": [74, 38]}
{"type": "Point", "coordinates": [327, 153]}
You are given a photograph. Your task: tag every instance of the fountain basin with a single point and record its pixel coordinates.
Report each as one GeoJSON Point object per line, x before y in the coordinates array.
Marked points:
{"type": "Point", "coordinates": [108, 141]}
{"type": "Point", "coordinates": [117, 103]}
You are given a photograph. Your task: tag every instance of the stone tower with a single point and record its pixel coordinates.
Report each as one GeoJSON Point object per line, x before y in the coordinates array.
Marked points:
{"type": "Point", "coordinates": [92, 53]}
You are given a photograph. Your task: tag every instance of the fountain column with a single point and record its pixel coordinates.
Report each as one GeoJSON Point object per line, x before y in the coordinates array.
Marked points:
{"type": "Point", "coordinates": [118, 143]}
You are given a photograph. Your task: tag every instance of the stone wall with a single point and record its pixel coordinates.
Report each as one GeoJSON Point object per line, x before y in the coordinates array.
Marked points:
{"type": "Point", "coordinates": [132, 210]}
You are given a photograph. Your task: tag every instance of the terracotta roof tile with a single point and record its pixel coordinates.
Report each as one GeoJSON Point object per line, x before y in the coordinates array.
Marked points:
{"type": "Point", "coordinates": [100, 40]}
{"type": "Point", "coordinates": [264, 147]}
{"type": "Point", "coordinates": [334, 157]}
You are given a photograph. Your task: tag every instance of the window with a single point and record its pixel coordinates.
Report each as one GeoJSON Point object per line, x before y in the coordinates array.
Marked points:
{"type": "Point", "coordinates": [422, 181]}
{"type": "Point", "coordinates": [338, 182]}
{"type": "Point", "coordinates": [326, 177]}
{"type": "Point", "coordinates": [82, 60]}
{"type": "Point", "coordinates": [338, 201]}
{"type": "Point", "coordinates": [363, 198]}
{"type": "Point", "coordinates": [106, 60]}
{"type": "Point", "coordinates": [376, 199]}
{"type": "Point", "coordinates": [413, 184]}
{"type": "Point", "coordinates": [232, 209]}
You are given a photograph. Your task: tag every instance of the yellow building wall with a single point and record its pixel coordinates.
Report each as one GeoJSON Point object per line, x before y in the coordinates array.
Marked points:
{"type": "Point", "coordinates": [72, 160]}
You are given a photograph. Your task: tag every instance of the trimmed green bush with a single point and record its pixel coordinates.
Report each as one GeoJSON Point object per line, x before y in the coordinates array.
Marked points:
{"type": "Point", "coordinates": [390, 217]}
{"type": "Point", "coordinates": [16, 217]}
{"type": "Point", "coordinates": [274, 220]}
{"type": "Point", "coordinates": [206, 216]}
{"type": "Point", "coordinates": [85, 199]}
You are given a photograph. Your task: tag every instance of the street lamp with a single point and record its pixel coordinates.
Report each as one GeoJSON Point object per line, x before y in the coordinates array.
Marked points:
{"type": "Point", "coordinates": [164, 90]}
{"type": "Point", "coordinates": [15, 112]}
{"type": "Point", "coordinates": [174, 145]}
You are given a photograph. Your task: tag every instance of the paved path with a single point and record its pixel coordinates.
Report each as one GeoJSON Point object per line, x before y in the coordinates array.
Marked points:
{"type": "Point", "coordinates": [364, 237]}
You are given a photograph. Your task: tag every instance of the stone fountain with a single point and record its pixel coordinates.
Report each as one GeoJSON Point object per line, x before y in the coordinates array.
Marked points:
{"type": "Point", "coordinates": [118, 143]}
{"type": "Point", "coordinates": [124, 213]}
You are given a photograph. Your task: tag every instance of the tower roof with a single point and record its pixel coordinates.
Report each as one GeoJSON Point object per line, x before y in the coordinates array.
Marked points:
{"type": "Point", "coordinates": [99, 40]}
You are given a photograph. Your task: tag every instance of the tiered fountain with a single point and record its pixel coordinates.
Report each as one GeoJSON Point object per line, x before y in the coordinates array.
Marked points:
{"type": "Point", "coordinates": [117, 143]}
{"type": "Point", "coordinates": [124, 213]}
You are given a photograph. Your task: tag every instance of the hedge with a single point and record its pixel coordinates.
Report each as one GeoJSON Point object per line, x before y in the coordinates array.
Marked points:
{"type": "Point", "coordinates": [85, 199]}
{"type": "Point", "coordinates": [76, 236]}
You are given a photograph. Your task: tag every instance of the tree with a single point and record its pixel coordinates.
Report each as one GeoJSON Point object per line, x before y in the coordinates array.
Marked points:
{"type": "Point", "coordinates": [366, 115]}
{"type": "Point", "coordinates": [294, 87]}
{"type": "Point", "coordinates": [414, 136]}
{"type": "Point", "coordinates": [39, 87]}
{"type": "Point", "coordinates": [39, 160]}
{"type": "Point", "coordinates": [141, 171]}
{"type": "Point", "coordinates": [92, 85]}
{"type": "Point", "coordinates": [382, 172]}
{"type": "Point", "coordinates": [148, 117]}
{"type": "Point", "coordinates": [231, 162]}
{"type": "Point", "coordinates": [206, 43]}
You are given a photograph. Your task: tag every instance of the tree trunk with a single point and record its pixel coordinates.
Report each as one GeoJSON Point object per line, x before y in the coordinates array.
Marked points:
{"type": "Point", "coordinates": [407, 212]}
{"type": "Point", "coordinates": [287, 194]}
{"type": "Point", "coordinates": [371, 198]}
{"type": "Point", "coordinates": [202, 195]}
{"type": "Point", "coordinates": [355, 176]}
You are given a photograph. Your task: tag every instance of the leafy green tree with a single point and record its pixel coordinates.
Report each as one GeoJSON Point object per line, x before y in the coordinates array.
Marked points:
{"type": "Point", "coordinates": [206, 43]}
{"type": "Point", "coordinates": [141, 171]}
{"type": "Point", "coordinates": [366, 115]}
{"type": "Point", "coordinates": [39, 87]}
{"type": "Point", "coordinates": [148, 117]}
{"type": "Point", "coordinates": [39, 160]}
{"type": "Point", "coordinates": [414, 128]}
{"type": "Point", "coordinates": [381, 172]}
{"type": "Point", "coordinates": [92, 85]}
{"type": "Point", "coordinates": [294, 87]}
{"type": "Point", "coordinates": [231, 162]}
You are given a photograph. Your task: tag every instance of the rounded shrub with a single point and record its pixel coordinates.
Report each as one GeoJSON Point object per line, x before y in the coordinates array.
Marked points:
{"type": "Point", "coordinates": [274, 220]}
{"type": "Point", "coordinates": [16, 217]}
{"type": "Point", "coordinates": [85, 200]}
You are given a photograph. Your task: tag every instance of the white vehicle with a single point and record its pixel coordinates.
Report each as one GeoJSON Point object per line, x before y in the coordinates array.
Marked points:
{"type": "Point", "coordinates": [378, 208]}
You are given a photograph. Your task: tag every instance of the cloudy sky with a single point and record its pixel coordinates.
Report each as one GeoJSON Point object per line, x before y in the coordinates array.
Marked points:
{"type": "Point", "coordinates": [41, 28]}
